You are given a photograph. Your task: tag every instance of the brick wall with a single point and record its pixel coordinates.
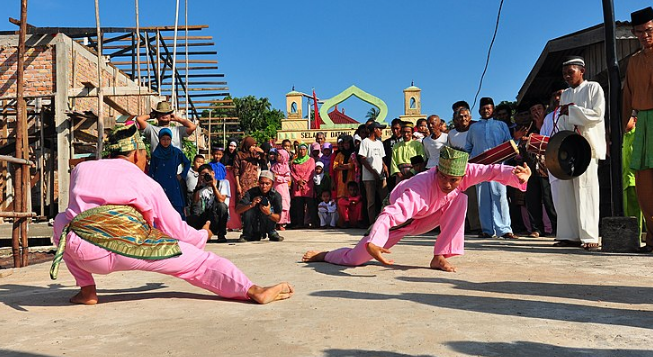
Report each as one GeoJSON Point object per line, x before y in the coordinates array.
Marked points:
{"type": "Point", "coordinates": [39, 70]}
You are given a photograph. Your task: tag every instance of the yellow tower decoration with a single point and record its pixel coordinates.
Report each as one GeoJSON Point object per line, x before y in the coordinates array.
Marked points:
{"type": "Point", "coordinates": [412, 104]}
{"type": "Point", "coordinates": [294, 104]}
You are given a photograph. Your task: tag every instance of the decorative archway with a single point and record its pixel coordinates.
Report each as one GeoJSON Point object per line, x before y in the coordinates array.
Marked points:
{"type": "Point", "coordinates": [344, 95]}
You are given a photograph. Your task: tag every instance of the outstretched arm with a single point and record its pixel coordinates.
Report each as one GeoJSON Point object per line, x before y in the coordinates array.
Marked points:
{"type": "Point", "coordinates": [515, 176]}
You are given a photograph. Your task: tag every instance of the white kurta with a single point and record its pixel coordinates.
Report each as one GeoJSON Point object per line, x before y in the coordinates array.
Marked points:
{"type": "Point", "coordinates": [577, 201]}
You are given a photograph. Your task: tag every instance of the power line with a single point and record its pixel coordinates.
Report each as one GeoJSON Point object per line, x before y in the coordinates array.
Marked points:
{"type": "Point", "coordinates": [489, 51]}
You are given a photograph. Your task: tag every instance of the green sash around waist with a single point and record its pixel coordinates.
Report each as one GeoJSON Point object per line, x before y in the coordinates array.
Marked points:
{"type": "Point", "coordinates": [120, 229]}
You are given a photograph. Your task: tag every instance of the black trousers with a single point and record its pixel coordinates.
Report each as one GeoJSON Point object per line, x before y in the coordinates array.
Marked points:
{"type": "Point", "coordinates": [256, 224]}
{"type": "Point", "coordinates": [538, 192]}
{"type": "Point", "coordinates": [299, 205]}
{"type": "Point", "coordinates": [218, 215]}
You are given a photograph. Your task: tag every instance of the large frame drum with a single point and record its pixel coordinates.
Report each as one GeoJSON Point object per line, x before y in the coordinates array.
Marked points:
{"type": "Point", "coordinates": [497, 154]}
{"type": "Point", "coordinates": [568, 154]}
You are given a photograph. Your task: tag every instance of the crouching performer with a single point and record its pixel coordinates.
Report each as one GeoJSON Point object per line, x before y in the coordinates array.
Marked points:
{"type": "Point", "coordinates": [430, 199]}
{"type": "Point", "coordinates": [109, 226]}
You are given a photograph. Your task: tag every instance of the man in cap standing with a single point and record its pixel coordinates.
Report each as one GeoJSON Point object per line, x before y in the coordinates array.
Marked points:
{"type": "Point", "coordinates": [164, 114]}
{"type": "Point", "coordinates": [486, 134]}
{"type": "Point", "coordinates": [576, 201]}
{"type": "Point", "coordinates": [431, 199]}
{"type": "Point", "coordinates": [371, 156]}
{"type": "Point", "coordinates": [403, 151]}
{"type": "Point", "coordinates": [638, 96]}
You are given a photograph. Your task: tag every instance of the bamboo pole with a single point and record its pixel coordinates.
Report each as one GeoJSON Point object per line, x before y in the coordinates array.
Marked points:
{"type": "Point", "coordinates": [158, 61]}
{"type": "Point", "coordinates": [138, 58]}
{"type": "Point", "coordinates": [174, 57]}
{"type": "Point", "coordinates": [19, 230]}
{"type": "Point", "coordinates": [100, 94]}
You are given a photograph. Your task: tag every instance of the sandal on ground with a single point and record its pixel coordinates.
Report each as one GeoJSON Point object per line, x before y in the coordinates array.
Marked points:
{"type": "Point", "coordinates": [567, 243]}
{"type": "Point", "coordinates": [591, 246]}
{"type": "Point", "coordinates": [645, 249]}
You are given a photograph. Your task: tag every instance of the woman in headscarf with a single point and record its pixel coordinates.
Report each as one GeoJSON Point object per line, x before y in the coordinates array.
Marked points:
{"type": "Point", "coordinates": [228, 161]}
{"type": "Point", "coordinates": [302, 171]}
{"type": "Point", "coordinates": [343, 167]}
{"type": "Point", "coordinates": [247, 164]}
{"type": "Point", "coordinates": [163, 169]}
{"type": "Point", "coordinates": [281, 171]}
{"type": "Point", "coordinates": [230, 154]}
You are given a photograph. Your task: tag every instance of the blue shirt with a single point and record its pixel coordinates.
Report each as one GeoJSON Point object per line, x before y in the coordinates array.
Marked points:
{"type": "Point", "coordinates": [486, 134]}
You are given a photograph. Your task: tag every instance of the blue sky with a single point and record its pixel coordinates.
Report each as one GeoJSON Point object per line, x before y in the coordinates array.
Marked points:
{"type": "Point", "coordinates": [266, 47]}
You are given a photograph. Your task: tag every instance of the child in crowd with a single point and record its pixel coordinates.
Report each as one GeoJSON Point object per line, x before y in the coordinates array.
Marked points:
{"type": "Point", "coordinates": [272, 156]}
{"type": "Point", "coordinates": [349, 207]}
{"type": "Point", "coordinates": [163, 169]}
{"type": "Point", "coordinates": [282, 178]}
{"type": "Point", "coordinates": [327, 210]}
{"type": "Point", "coordinates": [419, 165]}
{"type": "Point", "coordinates": [191, 181]}
{"type": "Point", "coordinates": [326, 155]}
{"type": "Point", "coordinates": [316, 151]}
{"type": "Point", "coordinates": [287, 145]}
{"type": "Point", "coordinates": [218, 167]}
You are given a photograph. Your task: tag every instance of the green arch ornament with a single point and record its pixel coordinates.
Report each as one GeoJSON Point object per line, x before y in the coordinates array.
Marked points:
{"type": "Point", "coordinates": [344, 95]}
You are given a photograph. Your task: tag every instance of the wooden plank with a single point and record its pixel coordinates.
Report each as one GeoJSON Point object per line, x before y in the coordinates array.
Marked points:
{"type": "Point", "coordinates": [216, 75]}
{"type": "Point", "coordinates": [193, 83]}
{"type": "Point", "coordinates": [110, 91]}
{"type": "Point", "coordinates": [197, 89]}
{"type": "Point", "coordinates": [113, 104]}
{"type": "Point", "coordinates": [118, 63]}
{"type": "Point", "coordinates": [209, 101]}
{"type": "Point", "coordinates": [206, 107]}
{"type": "Point", "coordinates": [180, 54]}
{"type": "Point", "coordinates": [190, 44]}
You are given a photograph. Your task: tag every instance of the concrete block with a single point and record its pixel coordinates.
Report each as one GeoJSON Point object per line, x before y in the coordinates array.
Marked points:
{"type": "Point", "coordinates": [620, 235]}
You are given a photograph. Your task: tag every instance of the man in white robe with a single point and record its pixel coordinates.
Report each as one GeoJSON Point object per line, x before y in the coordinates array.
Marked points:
{"type": "Point", "coordinates": [576, 201]}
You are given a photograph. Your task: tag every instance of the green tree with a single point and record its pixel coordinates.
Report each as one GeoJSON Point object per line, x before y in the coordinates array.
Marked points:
{"type": "Point", "coordinates": [373, 113]}
{"type": "Point", "coordinates": [256, 116]}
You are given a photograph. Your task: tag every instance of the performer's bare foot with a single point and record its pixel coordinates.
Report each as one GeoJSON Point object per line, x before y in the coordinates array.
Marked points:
{"type": "Point", "coordinates": [314, 256]}
{"type": "Point", "coordinates": [264, 295]}
{"type": "Point", "coordinates": [439, 262]}
{"type": "Point", "coordinates": [87, 295]}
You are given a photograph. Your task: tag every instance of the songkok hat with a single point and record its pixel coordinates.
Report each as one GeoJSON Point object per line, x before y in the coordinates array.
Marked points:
{"type": "Point", "coordinates": [559, 85]}
{"type": "Point", "coordinates": [165, 131]}
{"type": "Point", "coordinates": [640, 17]}
{"type": "Point", "coordinates": [124, 139]}
{"type": "Point", "coordinates": [573, 60]}
{"type": "Point", "coordinates": [486, 101]}
{"type": "Point", "coordinates": [407, 124]}
{"type": "Point", "coordinates": [267, 174]}
{"type": "Point", "coordinates": [417, 159]}
{"type": "Point", "coordinates": [320, 164]}
{"type": "Point", "coordinates": [452, 162]}
{"type": "Point", "coordinates": [460, 103]}
{"type": "Point", "coordinates": [163, 108]}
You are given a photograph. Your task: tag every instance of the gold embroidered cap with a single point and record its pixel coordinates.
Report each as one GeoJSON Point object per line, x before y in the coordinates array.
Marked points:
{"type": "Point", "coordinates": [125, 139]}
{"type": "Point", "coordinates": [453, 162]}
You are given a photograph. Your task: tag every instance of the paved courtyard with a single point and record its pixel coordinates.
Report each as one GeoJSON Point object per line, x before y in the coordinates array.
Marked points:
{"type": "Point", "coordinates": [508, 298]}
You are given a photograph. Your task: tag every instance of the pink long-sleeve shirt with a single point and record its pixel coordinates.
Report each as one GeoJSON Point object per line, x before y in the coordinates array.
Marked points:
{"type": "Point", "coordinates": [305, 172]}
{"type": "Point", "coordinates": [420, 197]}
{"type": "Point", "coordinates": [120, 182]}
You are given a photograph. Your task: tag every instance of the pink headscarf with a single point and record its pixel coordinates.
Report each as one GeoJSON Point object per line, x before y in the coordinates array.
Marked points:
{"type": "Point", "coordinates": [281, 166]}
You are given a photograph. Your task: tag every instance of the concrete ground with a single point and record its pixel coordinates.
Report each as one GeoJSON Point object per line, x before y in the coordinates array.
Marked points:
{"type": "Point", "coordinates": [508, 298]}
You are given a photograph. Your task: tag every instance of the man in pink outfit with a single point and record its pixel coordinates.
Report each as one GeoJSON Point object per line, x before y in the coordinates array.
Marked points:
{"type": "Point", "coordinates": [418, 205]}
{"type": "Point", "coordinates": [121, 181]}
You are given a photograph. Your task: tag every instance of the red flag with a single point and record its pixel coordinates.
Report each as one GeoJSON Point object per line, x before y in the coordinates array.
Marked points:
{"type": "Point", "coordinates": [316, 115]}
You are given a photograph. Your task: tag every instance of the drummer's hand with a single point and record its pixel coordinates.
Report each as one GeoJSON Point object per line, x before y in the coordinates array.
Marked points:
{"type": "Point", "coordinates": [564, 109]}
{"type": "Point", "coordinates": [520, 133]}
{"type": "Point", "coordinates": [523, 173]}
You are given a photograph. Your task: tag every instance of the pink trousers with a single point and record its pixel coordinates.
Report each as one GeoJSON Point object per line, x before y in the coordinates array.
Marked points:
{"type": "Point", "coordinates": [198, 267]}
{"type": "Point", "coordinates": [450, 242]}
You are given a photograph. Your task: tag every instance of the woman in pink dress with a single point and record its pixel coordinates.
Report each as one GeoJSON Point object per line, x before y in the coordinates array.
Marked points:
{"type": "Point", "coordinates": [282, 179]}
{"type": "Point", "coordinates": [302, 171]}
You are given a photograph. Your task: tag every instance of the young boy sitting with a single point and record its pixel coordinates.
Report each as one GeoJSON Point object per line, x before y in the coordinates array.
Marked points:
{"type": "Point", "coordinates": [327, 210]}
{"type": "Point", "coordinates": [349, 208]}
